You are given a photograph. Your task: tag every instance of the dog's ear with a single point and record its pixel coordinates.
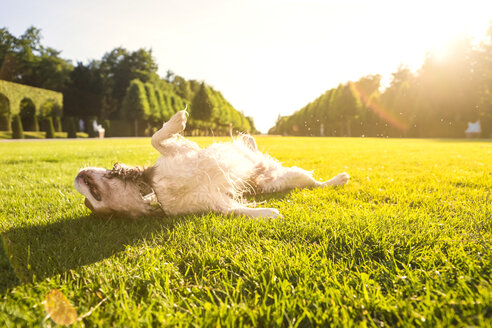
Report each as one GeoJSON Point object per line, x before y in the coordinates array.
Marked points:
{"type": "Point", "coordinates": [126, 172]}
{"type": "Point", "coordinates": [148, 173]}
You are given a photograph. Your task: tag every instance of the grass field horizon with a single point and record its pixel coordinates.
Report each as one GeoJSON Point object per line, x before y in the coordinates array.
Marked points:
{"type": "Point", "coordinates": [407, 242]}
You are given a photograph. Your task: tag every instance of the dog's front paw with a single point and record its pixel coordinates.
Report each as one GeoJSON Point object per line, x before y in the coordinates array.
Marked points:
{"type": "Point", "coordinates": [177, 123]}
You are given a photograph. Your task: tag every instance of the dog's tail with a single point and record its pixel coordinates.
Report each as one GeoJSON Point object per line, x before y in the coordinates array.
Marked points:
{"type": "Point", "coordinates": [248, 141]}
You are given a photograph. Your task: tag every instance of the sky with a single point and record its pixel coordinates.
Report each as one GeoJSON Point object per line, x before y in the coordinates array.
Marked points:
{"type": "Point", "coordinates": [267, 57]}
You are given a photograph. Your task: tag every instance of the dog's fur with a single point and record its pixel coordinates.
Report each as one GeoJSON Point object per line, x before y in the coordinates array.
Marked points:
{"type": "Point", "coordinates": [188, 179]}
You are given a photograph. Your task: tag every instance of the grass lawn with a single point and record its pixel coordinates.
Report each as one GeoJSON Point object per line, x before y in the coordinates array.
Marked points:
{"type": "Point", "coordinates": [406, 243]}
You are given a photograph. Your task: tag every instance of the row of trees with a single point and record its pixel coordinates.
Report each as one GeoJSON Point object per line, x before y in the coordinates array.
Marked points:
{"type": "Point", "coordinates": [25, 60]}
{"type": "Point", "coordinates": [436, 101]}
{"type": "Point", "coordinates": [155, 103]}
{"type": "Point", "coordinates": [123, 88]}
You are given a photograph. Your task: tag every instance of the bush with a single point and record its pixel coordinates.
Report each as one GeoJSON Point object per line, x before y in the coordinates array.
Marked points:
{"type": "Point", "coordinates": [121, 128]}
{"type": "Point", "coordinates": [35, 123]}
{"type": "Point", "coordinates": [17, 130]}
{"type": "Point", "coordinates": [70, 127]}
{"type": "Point", "coordinates": [57, 123]}
{"type": "Point", "coordinates": [48, 127]}
{"type": "Point", "coordinates": [5, 122]}
{"type": "Point", "coordinates": [89, 127]}
{"type": "Point", "coordinates": [107, 127]}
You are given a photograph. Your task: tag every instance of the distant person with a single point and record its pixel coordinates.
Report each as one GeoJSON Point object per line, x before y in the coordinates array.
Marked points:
{"type": "Point", "coordinates": [98, 129]}
{"type": "Point", "coordinates": [474, 130]}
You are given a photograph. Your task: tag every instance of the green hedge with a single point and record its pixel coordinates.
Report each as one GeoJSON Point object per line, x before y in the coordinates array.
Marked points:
{"type": "Point", "coordinates": [48, 127]}
{"type": "Point", "coordinates": [17, 131]}
{"type": "Point", "coordinates": [70, 127]}
{"type": "Point", "coordinates": [121, 128]}
{"type": "Point", "coordinates": [5, 122]}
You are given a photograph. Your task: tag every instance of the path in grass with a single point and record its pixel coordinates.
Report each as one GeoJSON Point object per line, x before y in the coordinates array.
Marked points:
{"type": "Point", "coordinates": [406, 242]}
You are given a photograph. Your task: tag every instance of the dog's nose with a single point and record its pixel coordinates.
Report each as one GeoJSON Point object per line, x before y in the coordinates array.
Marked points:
{"type": "Point", "coordinates": [82, 174]}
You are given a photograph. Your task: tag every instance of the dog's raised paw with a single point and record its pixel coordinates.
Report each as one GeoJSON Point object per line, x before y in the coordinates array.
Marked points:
{"type": "Point", "coordinates": [177, 123]}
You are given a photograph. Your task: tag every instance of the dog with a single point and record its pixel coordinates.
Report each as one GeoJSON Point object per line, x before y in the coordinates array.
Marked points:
{"type": "Point", "coordinates": [187, 179]}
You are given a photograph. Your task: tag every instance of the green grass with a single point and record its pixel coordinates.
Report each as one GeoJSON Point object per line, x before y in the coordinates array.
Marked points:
{"type": "Point", "coordinates": [406, 243]}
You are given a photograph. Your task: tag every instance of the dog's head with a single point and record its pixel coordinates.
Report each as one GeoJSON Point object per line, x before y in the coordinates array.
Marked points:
{"type": "Point", "coordinates": [124, 191]}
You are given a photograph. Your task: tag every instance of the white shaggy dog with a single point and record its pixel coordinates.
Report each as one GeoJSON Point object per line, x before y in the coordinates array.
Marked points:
{"type": "Point", "coordinates": [188, 179]}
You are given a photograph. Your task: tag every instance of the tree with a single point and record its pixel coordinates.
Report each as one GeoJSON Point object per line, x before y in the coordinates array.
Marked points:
{"type": "Point", "coordinates": [201, 108]}
{"type": "Point", "coordinates": [154, 108]}
{"type": "Point", "coordinates": [4, 114]}
{"type": "Point", "coordinates": [17, 130]}
{"type": "Point", "coordinates": [25, 60]}
{"type": "Point", "coordinates": [135, 104]}
{"type": "Point", "coordinates": [169, 76]}
{"type": "Point", "coordinates": [483, 75]}
{"type": "Point", "coordinates": [52, 72]}
{"type": "Point", "coordinates": [182, 87]}
{"type": "Point", "coordinates": [8, 43]}
{"type": "Point", "coordinates": [118, 68]}
{"type": "Point", "coordinates": [84, 93]}
{"type": "Point", "coordinates": [49, 127]}
{"type": "Point", "coordinates": [70, 126]}
{"type": "Point", "coordinates": [99, 89]}
{"type": "Point", "coordinates": [56, 113]}
{"type": "Point", "coordinates": [251, 122]}
{"type": "Point", "coordinates": [163, 110]}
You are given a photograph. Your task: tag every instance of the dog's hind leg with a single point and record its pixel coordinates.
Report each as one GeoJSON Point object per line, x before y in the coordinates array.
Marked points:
{"type": "Point", "coordinates": [168, 141]}
{"type": "Point", "coordinates": [287, 178]}
{"type": "Point", "coordinates": [338, 180]}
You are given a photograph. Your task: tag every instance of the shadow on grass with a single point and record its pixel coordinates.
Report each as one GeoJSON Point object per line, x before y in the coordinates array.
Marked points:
{"type": "Point", "coordinates": [460, 140]}
{"type": "Point", "coordinates": [41, 251]}
{"type": "Point", "coordinates": [268, 197]}
{"type": "Point", "coordinates": [8, 278]}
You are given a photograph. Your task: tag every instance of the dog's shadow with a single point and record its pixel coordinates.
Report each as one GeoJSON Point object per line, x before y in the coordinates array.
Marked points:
{"type": "Point", "coordinates": [41, 251]}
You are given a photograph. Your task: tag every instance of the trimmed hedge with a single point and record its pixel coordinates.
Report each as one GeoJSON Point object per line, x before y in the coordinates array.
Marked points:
{"type": "Point", "coordinates": [70, 127]}
{"type": "Point", "coordinates": [48, 127]}
{"type": "Point", "coordinates": [17, 130]}
{"type": "Point", "coordinates": [106, 124]}
{"type": "Point", "coordinates": [5, 122]}
{"type": "Point", "coordinates": [121, 128]}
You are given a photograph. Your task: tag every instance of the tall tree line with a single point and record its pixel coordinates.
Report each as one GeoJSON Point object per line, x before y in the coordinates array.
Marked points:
{"type": "Point", "coordinates": [25, 60]}
{"type": "Point", "coordinates": [438, 100]}
{"type": "Point", "coordinates": [122, 87]}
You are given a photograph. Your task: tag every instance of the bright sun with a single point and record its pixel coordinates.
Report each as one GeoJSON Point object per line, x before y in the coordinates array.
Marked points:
{"type": "Point", "coordinates": [437, 24]}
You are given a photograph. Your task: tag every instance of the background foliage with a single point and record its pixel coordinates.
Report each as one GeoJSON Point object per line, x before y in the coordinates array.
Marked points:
{"type": "Point", "coordinates": [436, 101]}
{"type": "Point", "coordinates": [28, 102]}
{"type": "Point", "coordinates": [122, 87]}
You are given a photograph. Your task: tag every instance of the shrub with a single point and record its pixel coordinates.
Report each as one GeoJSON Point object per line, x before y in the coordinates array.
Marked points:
{"type": "Point", "coordinates": [107, 127]}
{"type": "Point", "coordinates": [57, 123]}
{"type": "Point", "coordinates": [48, 127]}
{"type": "Point", "coordinates": [5, 122]}
{"type": "Point", "coordinates": [89, 127]}
{"type": "Point", "coordinates": [121, 128]}
{"type": "Point", "coordinates": [17, 130]}
{"type": "Point", "coordinates": [35, 123]}
{"type": "Point", "coordinates": [70, 127]}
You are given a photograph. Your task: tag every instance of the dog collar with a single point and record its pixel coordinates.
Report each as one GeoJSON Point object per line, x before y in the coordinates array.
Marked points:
{"type": "Point", "coordinates": [151, 198]}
